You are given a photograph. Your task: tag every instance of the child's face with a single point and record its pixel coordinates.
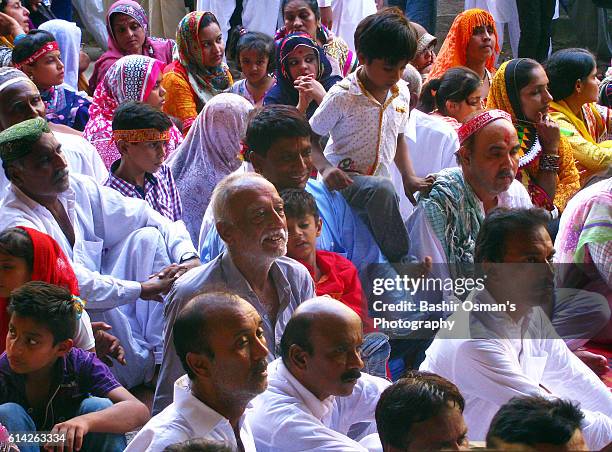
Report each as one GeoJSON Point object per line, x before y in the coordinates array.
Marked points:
{"type": "Point", "coordinates": [29, 345]}
{"type": "Point", "coordinates": [146, 157]}
{"type": "Point", "coordinates": [14, 273]}
{"type": "Point", "coordinates": [254, 65]}
{"type": "Point", "coordinates": [48, 71]}
{"type": "Point", "coordinates": [302, 61]}
{"type": "Point", "coordinates": [381, 74]}
{"type": "Point", "coordinates": [303, 233]}
{"type": "Point", "coordinates": [157, 95]}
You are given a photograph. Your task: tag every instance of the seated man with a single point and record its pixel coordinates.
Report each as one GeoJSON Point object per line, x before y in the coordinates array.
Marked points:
{"type": "Point", "coordinates": [20, 100]}
{"type": "Point", "coordinates": [503, 344]}
{"type": "Point", "coordinates": [115, 243]}
{"type": "Point", "coordinates": [537, 423]}
{"type": "Point", "coordinates": [46, 384]}
{"type": "Point", "coordinates": [251, 221]}
{"type": "Point", "coordinates": [432, 143]}
{"type": "Point", "coordinates": [445, 222]}
{"type": "Point", "coordinates": [220, 341]}
{"type": "Point", "coordinates": [422, 411]}
{"type": "Point", "coordinates": [316, 391]}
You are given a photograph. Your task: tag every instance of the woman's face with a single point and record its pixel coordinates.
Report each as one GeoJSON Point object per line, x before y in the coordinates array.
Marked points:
{"type": "Point", "coordinates": [157, 94]}
{"type": "Point", "coordinates": [424, 60]}
{"type": "Point", "coordinates": [14, 273]}
{"type": "Point", "coordinates": [48, 71]}
{"type": "Point", "coordinates": [461, 110]}
{"type": "Point", "coordinates": [481, 45]}
{"type": "Point", "coordinates": [211, 42]}
{"type": "Point", "coordinates": [589, 87]}
{"type": "Point", "coordinates": [17, 11]}
{"type": "Point", "coordinates": [128, 33]}
{"type": "Point", "coordinates": [299, 17]}
{"type": "Point", "coordinates": [535, 97]}
{"type": "Point", "coordinates": [302, 61]}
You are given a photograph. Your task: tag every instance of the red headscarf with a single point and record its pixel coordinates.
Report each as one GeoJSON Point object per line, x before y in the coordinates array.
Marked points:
{"type": "Point", "coordinates": [49, 265]}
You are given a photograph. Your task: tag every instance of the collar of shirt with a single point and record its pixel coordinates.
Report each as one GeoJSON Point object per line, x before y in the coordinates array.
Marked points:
{"type": "Point", "coordinates": [279, 374]}
{"type": "Point", "coordinates": [357, 88]}
{"type": "Point", "coordinates": [117, 181]}
{"type": "Point", "coordinates": [200, 416]}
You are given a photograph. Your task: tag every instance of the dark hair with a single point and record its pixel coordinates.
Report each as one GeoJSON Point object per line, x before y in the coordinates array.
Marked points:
{"type": "Point", "coordinates": [455, 85]}
{"type": "Point", "coordinates": [16, 242]}
{"type": "Point", "coordinates": [30, 44]}
{"type": "Point", "coordinates": [297, 332]}
{"type": "Point", "coordinates": [135, 115]}
{"type": "Point", "coordinates": [534, 420]}
{"type": "Point", "coordinates": [190, 332]}
{"type": "Point", "coordinates": [48, 305]}
{"type": "Point", "coordinates": [207, 19]}
{"type": "Point", "coordinates": [314, 7]}
{"type": "Point", "coordinates": [199, 445]}
{"type": "Point", "coordinates": [3, 4]}
{"type": "Point", "coordinates": [564, 68]}
{"type": "Point", "coordinates": [415, 398]}
{"type": "Point", "coordinates": [386, 35]}
{"type": "Point", "coordinates": [502, 222]}
{"type": "Point", "coordinates": [238, 41]}
{"type": "Point", "coordinates": [299, 203]}
{"type": "Point", "coordinates": [272, 123]}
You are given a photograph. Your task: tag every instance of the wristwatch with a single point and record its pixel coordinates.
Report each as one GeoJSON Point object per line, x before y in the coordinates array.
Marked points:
{"type": "Point", "coordinates": [188, 256]}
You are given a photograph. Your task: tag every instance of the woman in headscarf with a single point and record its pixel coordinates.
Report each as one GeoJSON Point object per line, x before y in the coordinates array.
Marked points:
{"type": "Point", "coordinates": [68, 37]}
{"type": "Point", "coordinates": [200, 73]}
{"type": "Point", "coordinates": [208, 154]}
{"type": "Point", "coordinates": [471, 42]}
{"type": "Point", "coordinates": [305, 16]}
{"type": "Point", "coordinates": [303, 74]}
{"type": "Point", "coordinates": [128, 34]}
{"type": "Point", "coordinates": [546, 164]}
{"type": "Point", "coordinates": [38, 56]}
{"type": "Point", "coordinates": [133, 77]}
{"type": "Point", "coordinates": [573, 84]}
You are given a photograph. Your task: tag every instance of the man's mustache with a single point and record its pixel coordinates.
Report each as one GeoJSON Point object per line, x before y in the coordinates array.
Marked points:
{"type": "Point", "coordinates": [352, 374]}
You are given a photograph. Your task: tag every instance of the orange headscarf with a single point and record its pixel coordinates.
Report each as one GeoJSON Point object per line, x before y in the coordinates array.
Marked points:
{"type": "Point", "coordinates": [454, 49]}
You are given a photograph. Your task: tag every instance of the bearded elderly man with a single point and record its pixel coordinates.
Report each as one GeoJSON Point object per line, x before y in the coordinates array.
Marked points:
{"type": "Point", "coordinates": [316, 391]}
{"type": "Point", "coordinates": [251, 221]}
{"type": "Point", "coordinates": [121, 249]}
{"type": "Point", "coordinates": [446, 222]}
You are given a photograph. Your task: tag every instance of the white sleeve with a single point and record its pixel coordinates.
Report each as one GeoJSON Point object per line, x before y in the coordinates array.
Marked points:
{"type": "Point", "coordinates": [328, 113]}
{"type": "Point", "coordinates": [360, 406]}
{"type": "Point", "coordinates": [324, 3]}
{"type": "Point", "coordinates": [83, 336]}
{"type": "Point", "coordinates": [423, 241]}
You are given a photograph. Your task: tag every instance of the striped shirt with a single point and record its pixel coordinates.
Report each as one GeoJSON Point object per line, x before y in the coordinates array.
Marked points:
{"type": "Point", "coordinates": [159, 191]}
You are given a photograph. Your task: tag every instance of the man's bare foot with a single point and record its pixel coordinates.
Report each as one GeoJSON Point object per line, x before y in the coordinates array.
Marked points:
{"type": "Point", "coordinates": [597, 363]}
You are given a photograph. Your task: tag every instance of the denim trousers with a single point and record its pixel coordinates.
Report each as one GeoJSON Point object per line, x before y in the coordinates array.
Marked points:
{"type": "Point", "coordinates": [423, 12]}
{"type": "Point", "coordinates": [16, 419]}
{"type": "Point", "coordinates": [375, 353]}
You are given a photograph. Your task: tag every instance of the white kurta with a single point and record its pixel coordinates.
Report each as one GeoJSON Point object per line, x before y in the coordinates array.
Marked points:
{"type": "Point", "coordinates": [288, 417]}
{"type": "Point", "coordinates": [346, 16]}
{"type": "Point", "coordinates": [432, 144]}
{"type": "Point", "coordinates": [118, 236]}
{"type": "Point", "coordinates": [189, 418]}
{"type": "Point", "coordinates": [515, 359]}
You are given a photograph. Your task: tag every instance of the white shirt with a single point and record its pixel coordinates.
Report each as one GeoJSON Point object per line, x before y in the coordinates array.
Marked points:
{"type": "Point", "coordinates": [346, 16]}
{"type": "Point", "coordinates": [424, 242]}
{"type": "Point", "coordinates": [101, 218]}
{"type": "Point", "coordinates": [363, 132]}
{"type": "Point", "coordinates": [288, 417]}
{"type": "Point", "coordinates": [188, 418]}
{"type": "Point", "coordinates": [491, 358]}
{"type": "Point", "coordinates": [432, 144]}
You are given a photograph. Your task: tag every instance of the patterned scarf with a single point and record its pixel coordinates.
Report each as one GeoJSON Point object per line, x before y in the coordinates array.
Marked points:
{"type": "Point", "coordinates": [206, 81]}
{"type": "Point", "coordinates": [453, 52]}
{"type": "Point", "coordinates": [455, 215]}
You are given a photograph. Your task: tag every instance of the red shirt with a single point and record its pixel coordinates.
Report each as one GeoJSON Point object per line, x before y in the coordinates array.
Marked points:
{"type": "Point", "coordinates": [339, 280]}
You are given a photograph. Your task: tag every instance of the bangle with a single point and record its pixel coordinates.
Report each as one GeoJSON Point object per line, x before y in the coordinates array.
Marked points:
{"type": "Point", "coordinates": [549, 162]}
{"type": "Point", "coordinates": [19, 37]}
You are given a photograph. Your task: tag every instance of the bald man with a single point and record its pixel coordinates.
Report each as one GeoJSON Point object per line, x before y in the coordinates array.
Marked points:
{"type": "Point", "coordinates": [220, 341]}
{"type": "Point", "coordinates": [250, 219]}
{"type": "Point", "coordinates": [316, 391]}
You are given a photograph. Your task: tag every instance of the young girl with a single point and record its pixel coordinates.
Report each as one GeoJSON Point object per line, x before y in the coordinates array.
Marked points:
{"type": "Point", "coordinates": [255, 57]}
{"type": "Point", "coordinates": [38, 55]}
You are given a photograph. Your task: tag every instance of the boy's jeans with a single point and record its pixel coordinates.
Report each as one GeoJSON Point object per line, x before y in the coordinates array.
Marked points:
{"type": "Point", "coordinates": [16, 419]}
{"type": "Point", "coordinates": [375, 200]}
{"type": "Point", "coordinates": [375, 353]}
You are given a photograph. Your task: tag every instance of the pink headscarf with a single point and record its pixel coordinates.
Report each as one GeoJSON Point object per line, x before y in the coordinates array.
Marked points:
{"type": "Point", "coordinates": [132, 77]}
{"type": "Point", "coordinates": [160, 49]}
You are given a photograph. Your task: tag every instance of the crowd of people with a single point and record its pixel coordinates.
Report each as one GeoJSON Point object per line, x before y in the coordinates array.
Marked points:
{"type": "Point", "coordinates": [299, 227]}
